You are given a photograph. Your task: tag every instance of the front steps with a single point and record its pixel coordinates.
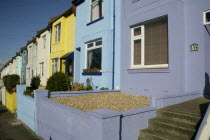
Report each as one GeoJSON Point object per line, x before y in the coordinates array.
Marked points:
{"type": "Point", "coordinates": [177, 122]}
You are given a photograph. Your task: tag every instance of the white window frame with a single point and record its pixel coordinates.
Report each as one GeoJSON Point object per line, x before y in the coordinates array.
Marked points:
{"type": "Point", "coordinates": [57, 32]}
{"type": "Point", "coordinates": [142, 38]}
{"type": "Point", "coordinates": [90, 7]}
{"type": "Point", "coordinates": [204, 17]}
{"type": "Point", "coordinates": [92, 48]}
{"type": "Point", "coordinates": [53, 65]}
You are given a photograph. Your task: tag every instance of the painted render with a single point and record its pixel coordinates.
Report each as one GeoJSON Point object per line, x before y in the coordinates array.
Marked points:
{"type": "Point", "coordinates": [186, 72]}
{"type": "Point", "coordinates": [43, 55]}
{"type": "Point", "coordinates": [18, 65]}
{"type": "Point", "coordinates": [102, 29]}
{"type": "Point", "coordinates": [24, 58]}
{"type": "Point", "coordinates": [66, 43]}
{"type": "Point", "coordinates": [31, 67]}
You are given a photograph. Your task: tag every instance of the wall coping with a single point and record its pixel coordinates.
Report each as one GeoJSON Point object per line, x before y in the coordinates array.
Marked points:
{"type": "Point", "coordinates": [203, 123]}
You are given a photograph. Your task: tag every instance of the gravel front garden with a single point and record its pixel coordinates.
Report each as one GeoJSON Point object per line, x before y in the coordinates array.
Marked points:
{"type": "Point", "coordinates": [114, 101]}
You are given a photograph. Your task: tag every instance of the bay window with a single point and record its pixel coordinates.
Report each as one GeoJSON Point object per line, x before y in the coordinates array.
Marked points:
{"type": "Point", "coordinates": [149, 44]}
{"type": "Point", "coordinates": [94, 54]}
{"type": "Point", "coordinates": [96, 9]}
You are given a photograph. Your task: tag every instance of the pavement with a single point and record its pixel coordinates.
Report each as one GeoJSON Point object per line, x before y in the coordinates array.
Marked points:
{"type": "Point", "coordinates": [13, 129]}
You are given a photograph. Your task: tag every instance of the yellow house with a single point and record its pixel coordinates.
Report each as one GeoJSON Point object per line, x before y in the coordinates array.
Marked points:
{"type": "Point", "coordinates": [62, 42]}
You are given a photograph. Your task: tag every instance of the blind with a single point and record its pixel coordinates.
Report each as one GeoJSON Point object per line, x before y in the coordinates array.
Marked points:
{"type": "Point", "coordinates": [156, 42]}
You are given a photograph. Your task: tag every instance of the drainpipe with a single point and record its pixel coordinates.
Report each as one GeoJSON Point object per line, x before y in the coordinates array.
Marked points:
{"type": "Point", "coordinates": [113, 69]}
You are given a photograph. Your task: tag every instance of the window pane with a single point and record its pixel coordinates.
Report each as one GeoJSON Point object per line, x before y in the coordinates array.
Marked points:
{"type": "Point", "coordinates": [99, 43]}
{"type": "Point", "coordinates": [96, 9]}
{"type": "Point", "coordinates": [156, 42]}
{"type": "Point", "coordinates": [90, 45]}
{"type": "Point", "coordinates": [94, 58]}
{"type": "Point", "coordinates": [137, 52]}
{"type": "Point", "coordinates": [208, 17]}
{"type": "Point", "coordinates": [137, 31]}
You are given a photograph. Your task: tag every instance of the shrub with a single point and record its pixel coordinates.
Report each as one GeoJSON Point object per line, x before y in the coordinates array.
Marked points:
{"type": "Point", "coordinates": [58, 82]}
{"type": "Point", "coordinates": [35, 82]}
{"type": "Point", "coordinates": [77, 87]}
{"type": "Point", "coordinates": [103, 88]}
{"type": "Point", "coordinates": [10, 81]}
{"type": "Point", "coordinates": [29, 92]}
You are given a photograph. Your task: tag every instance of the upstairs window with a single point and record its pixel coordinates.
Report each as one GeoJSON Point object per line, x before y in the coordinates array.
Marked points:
{"type": "Point", "coordinates": [94, 54]}
{"type": "Point", "coordinates": [44, 41]}
{"type": "Point", "coordinates": [206, 17]}
{"type": "Point", "coordinates": [57, 32]}
{"type": "Point", "coordinates": [96, 7]}
{"type": "Point", "coordinates": [149, 44]}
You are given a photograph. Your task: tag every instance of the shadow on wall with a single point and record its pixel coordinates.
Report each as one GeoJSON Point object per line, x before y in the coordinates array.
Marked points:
{"type": "Point", "coordinates": [206, 91]}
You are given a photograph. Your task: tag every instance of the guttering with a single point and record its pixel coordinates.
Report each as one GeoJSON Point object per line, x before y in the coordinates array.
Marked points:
{"type": "Point", "coordinates": [113, 67]}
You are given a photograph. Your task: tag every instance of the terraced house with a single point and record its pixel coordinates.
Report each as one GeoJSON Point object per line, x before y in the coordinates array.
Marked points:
{"type": "Point", "coordinates": [43, 55]}
{"type": "Point", "coordinates": [31, 67]}
{"type": "Point", "coordinates": [165, 49]}
{"type": "Point", "coordinates": [24, 57]}
{"type": "Point", "coordinates": [62, 43]}
{"type": "Point", "coordinates": [98, 42]}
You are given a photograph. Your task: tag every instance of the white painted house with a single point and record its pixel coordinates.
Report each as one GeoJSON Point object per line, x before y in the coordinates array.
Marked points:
{"type": "Point", "coordinates": [43, 55]}
{"type": "Point", "coordinates": [31, 67]}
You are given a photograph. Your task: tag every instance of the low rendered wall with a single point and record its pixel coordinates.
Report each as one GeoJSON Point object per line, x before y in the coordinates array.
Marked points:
{"type": "Point", "coordinates": [26, 108]}
{"type": "Point", "coordinates": [3, 95]}
{"type": "Point", "coordinates": [58, 121]}
{"type": "Point", "coordinates": [11, 103]}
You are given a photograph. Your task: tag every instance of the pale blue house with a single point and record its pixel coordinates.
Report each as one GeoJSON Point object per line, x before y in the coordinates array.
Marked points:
{"type": "Point", "coordinates": [97, 42]}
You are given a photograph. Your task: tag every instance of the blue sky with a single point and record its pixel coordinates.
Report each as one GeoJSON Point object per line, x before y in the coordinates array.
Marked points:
{"type": "Point", "coordinates": [20, 19]}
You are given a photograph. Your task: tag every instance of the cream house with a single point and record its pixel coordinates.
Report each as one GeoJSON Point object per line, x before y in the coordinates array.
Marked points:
{"type": "Point", "coordinates": [43, 55]}
{"type": "Point", "coordinates": [31, 66]}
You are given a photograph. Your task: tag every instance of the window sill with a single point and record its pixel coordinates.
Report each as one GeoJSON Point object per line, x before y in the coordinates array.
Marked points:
{"type": "Point", "coordinates": [92, 73]}
{"type": "Point", "coordinates": [95, 21]}
{"type": "Point", "coordinates": [149, 70]}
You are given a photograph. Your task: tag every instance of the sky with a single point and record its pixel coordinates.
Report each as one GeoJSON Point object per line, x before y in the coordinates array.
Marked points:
{"type": "Point", "coordinates": [20, 19]}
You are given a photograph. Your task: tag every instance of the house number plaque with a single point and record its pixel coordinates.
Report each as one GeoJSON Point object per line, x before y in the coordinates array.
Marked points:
{"type": "Point", "coordinates": [193, 47]}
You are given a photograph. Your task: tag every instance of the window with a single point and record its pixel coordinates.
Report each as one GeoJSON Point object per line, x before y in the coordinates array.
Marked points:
{"type": "Point", "coordinates": [93, 54]}
{"type": "Point", "coordinates": [96, 8]}
{"type": "Point", "coordinates": [206, 17]}
{"type": "Point", "coordinates": [42, 69]}
{"type": "Point", "coordinates": [57, 32]}
{"type": "Point", "coordinates": [44, 41]}
{"type": "Point", "coordinates": [55, 65]}
{"type": "Point", "coordinates": [28, 71]}
{"type": "Point", "coordinates": [149, 46]}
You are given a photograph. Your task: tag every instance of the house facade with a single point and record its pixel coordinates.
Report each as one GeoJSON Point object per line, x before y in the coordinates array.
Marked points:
{"type": "Point", "coordinates": [31, 66]}
{"type": "Point", "coordinates": [24, 58]}
{"type": "Point", "coordinates": [98, 43]}
{"type": "Point", "coordinates": [62, 43]}
{"type": "Point", "coordinates": [164, 51]}
{"type": "Point", "coordinates": [43, 55]}
{"type": "Point", "coordinates": [18, 67]}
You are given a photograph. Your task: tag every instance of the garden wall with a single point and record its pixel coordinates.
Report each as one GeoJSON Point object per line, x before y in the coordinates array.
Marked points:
{"type": "Point", "coordinates": [26, 109]}
{"type": "Point", "coordinates": [58, 121]}
{"type": "Point", "coordinates": [11, 102]}
{"type": "Point", "coordinates": [3, 95]}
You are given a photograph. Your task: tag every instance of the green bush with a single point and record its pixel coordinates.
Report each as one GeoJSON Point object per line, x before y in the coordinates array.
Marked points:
{"type": "Point", "coordinates": [29, 92]}
{"type": "Point", "coordinates": [35, 82]}
{"type": "Point", "coordinates": [103, 88]}
{"type": "Point", "coordinates": [77, 87]}
{"type": "Point", "coordinates": [10, 81]}
{"type": "Point", "coordinates": [89, 84]}
{"type": "Point", "coordinates": [58, 82]}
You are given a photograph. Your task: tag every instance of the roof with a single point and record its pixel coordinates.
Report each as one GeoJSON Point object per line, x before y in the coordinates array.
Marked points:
{"type": "Point", "coordinates": [77, 2]}
{"type": "Point", "coordinates": [31, 41]}
{"type": "Point", "coordinates": [23, 48]}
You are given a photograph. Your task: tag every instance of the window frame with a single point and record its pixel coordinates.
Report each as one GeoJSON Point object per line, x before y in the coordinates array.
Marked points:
{"type": "Point", "coordinates": [53, 65]}
{"type": "Point", "coordinates": [57, 32]}
{"type": "Point", "coordinates": [90, 8]}
{"type": "Point", "coordinates": [142, 37]}
{"type": "Point", "coordinates": [42, 69]}
{"type": "Point", "coordinates": [92, 48]}
{"type": "Point", "coordinates": [204, 17]}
